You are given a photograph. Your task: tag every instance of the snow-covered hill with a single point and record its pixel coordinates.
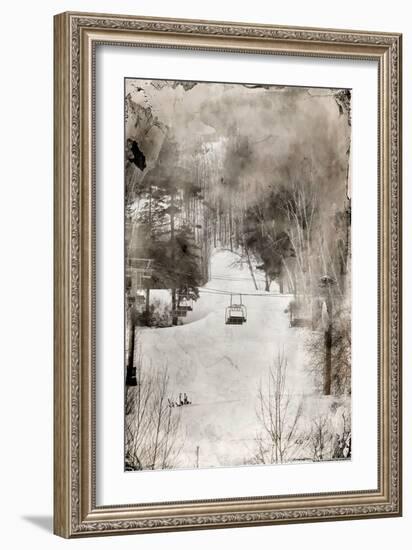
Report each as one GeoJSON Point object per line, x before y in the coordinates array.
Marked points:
{"type": "Point", "coordinates": [220, 366]}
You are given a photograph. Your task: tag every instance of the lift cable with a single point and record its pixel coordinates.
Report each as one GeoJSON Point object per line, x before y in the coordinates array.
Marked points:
{"type": "Point", "coordinates": [234, 279]}
{"type": "Point", "coordinates": [219, 292]}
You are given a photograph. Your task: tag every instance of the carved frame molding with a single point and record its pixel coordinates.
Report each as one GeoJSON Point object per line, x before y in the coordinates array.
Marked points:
{"type": "Point", "coordinates": [76, 36]}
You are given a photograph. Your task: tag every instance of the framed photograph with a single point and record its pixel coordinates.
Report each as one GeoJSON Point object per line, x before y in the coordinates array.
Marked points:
{"type": "Point", "coordinates": [227, 274]}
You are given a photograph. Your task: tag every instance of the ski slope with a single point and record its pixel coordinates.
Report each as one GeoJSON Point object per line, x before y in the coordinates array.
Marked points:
{"type": "Point", "coordinates": [220, 366]}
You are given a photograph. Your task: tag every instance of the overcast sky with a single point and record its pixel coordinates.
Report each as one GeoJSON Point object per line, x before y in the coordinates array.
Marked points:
{"type": "Point", "coordinates": [258, 135]}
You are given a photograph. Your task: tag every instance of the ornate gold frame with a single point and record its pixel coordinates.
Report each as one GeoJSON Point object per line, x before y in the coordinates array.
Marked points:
{"type": "Point", "coordinates": [76, 36]}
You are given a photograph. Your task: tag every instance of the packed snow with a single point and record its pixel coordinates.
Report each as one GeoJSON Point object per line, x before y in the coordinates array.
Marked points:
{"type": "Point", "coordinates": [220, 366]}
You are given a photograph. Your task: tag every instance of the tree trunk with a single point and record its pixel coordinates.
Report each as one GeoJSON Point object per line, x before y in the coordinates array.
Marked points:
{"type": "Point", "coordinates": [267, 282]}
{"type": "Point", "coordinates": [251, 268]}
{"type": "Point", "coordinates": [230, 227]}
{"type": "Point", "coordinates": [174, 307]}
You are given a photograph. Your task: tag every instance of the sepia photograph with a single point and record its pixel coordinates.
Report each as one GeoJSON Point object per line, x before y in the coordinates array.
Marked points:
{"type": "Point", "coordinates": [237, 276]}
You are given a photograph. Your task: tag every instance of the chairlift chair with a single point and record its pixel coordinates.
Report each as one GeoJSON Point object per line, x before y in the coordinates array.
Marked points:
{"type": "Point", "coordinates": [236, 313]}
{"type": "Point", "coordinates": [185, 302]}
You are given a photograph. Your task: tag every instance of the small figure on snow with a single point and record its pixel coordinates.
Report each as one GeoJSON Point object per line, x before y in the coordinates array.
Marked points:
{"type": "Point", "coordinates": [186, 400]}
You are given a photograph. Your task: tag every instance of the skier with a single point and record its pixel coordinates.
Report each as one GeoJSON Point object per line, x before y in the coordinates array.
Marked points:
{"type": "Point", "coordinates": [186, 400]}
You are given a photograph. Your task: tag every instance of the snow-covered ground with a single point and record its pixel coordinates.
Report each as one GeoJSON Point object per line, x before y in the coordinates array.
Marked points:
{"type": "Point", "coordinates": [220, 366]}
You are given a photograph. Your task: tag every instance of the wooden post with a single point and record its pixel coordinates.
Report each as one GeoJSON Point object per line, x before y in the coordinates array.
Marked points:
{"type": "Point", "coordinates": [326, 283]}
{"type": "Point", "coordinates": [327, 376]}
{"type": "Point", "coordinates": [172, 244]}
{"type": "Point", "coordinates": [174, 307]}
{"type": "Point", "coordinates": [130, 368]}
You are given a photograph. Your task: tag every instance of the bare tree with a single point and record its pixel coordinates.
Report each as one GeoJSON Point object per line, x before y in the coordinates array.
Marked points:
{"type": "Point", "coordinates": [277, 416]}
{"type": "Point", "coordinates": [301, 209]}
{"type": "Point", "coordinates": [152, 427]}
{"type": "Point", "coordinates": [320, 438]}
{"type": "Point", "coordinates": [329, 437]}
{"type": "Point", "coordinates": [343, 441]}
{"type": "Point", "coordinates": [319, 240]}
